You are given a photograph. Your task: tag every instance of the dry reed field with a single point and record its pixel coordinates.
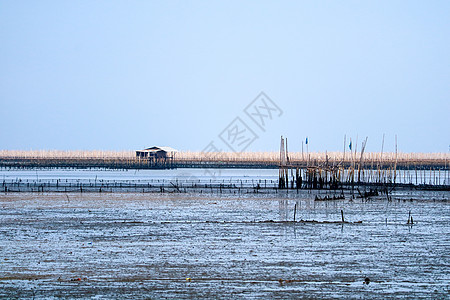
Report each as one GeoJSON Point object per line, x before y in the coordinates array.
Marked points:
{"type": "Point", "coordinates": [66, 154]}
{"type": "Point", "coordinates": [197, 156]}
{"type": "Point", "coordinates": [320, 156]}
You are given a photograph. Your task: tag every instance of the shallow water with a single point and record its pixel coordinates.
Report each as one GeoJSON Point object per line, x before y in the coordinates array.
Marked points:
{"type": "Point", "coordinates": [192, 175]}
{"type": "Point", "coordinates": [137, 175]}
{"type": "Point", "coordinates": [147, 245]}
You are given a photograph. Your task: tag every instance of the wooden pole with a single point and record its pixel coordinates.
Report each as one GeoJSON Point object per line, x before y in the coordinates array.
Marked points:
{"type": "Point", "coordinates": [343, 158]}
{"type": "Point", "coordinates": [381, 155]}
{"type": "Point", "coordinates": [295, 210]}
{"type": "Point", "coordinates": [307, 150]}
{"type": "Point", "coordinates": [361, 162]}
{"type": "Point", "coordinates": [303, 158]}
{"type": "Point", "coordinates": [395, 165]}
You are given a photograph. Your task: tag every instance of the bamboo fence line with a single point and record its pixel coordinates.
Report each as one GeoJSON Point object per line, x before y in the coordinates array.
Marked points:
{"type": "Point", "coordinates": [372, 186]}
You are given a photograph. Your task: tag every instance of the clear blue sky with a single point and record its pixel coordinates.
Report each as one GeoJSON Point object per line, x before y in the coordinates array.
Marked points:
{"type": "Point", "coordinates": [119, 75]}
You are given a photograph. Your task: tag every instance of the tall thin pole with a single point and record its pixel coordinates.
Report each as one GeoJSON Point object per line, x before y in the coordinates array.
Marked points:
{"type": "Point", "coordinates": [287, 169]}
{"type": "Point", "coordinates": [361, 162]}
{"type": "Point", "coordinates": [351, 160]}
{"type": "Point", "coordinates": [287, 153]}
{"type": "Point", "coordinates": [381, 155]}
{"type": "Point", "coordinates": [343, 159]}
{"type": "Point", "coordinates": [395, 166]}
{"type": "Point", "coordinates": [307, 150]}
{"type": "Point", "coordinates": [281, 151]}
{"type": "Point", "coordinates": [303, 158]}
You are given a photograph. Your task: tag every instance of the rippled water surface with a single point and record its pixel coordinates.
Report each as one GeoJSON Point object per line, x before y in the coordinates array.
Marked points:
{"type": "Point", "coordinates": [132, 245]}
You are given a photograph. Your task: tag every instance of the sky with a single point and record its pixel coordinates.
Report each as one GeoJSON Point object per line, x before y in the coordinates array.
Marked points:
{"type": "Point", "coordinates": [124, 75]}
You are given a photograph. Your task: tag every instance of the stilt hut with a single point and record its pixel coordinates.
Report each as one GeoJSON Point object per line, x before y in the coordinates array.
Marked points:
{"type": "Point", "coordinates": [157, 154]}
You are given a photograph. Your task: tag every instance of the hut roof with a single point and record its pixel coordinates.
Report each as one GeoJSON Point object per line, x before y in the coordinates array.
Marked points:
{"type": "Point", "coordinates": [157, 148]}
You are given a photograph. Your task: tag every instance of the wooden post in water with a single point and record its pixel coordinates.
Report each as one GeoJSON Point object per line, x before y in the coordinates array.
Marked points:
{"type": "Point", "coordinates": [280, 171]}
{"type": "Point", "coordinates": [295, 210]}
{"type": "Point", "coordinates": [395, 165]}
{"type": "Point", "coordinates": [361, 161]}
{"type": "Point", "coordinates": [381, 161]}
{"type": "Point", "coordinates": [343, 158]}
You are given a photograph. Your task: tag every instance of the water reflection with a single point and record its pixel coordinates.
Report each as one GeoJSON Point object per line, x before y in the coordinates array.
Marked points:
{"type": "Point", "coordinates": [283, 209]}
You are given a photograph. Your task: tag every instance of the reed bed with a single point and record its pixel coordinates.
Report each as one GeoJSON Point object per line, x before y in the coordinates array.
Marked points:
{"type": "Point", "coordinates": [70, 154]}
{"type": "Point", "coordinates": [270, 157]}
{"type": "Point", "coordinates": [226, 156]}
{"type": "Point", "coordinates": [303, 157]}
